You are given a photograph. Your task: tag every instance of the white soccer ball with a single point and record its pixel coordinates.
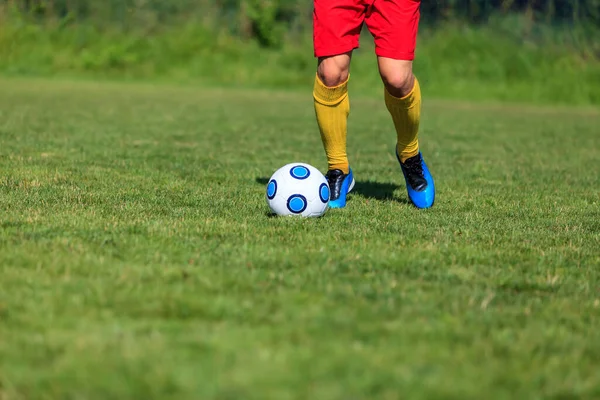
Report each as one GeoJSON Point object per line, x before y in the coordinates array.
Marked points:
{"type": "Point", "coordinates": [298, 189]}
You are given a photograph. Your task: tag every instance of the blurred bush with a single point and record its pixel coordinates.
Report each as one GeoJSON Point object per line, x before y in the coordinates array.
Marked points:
{"type": "Point", "coordinates": [271, 21]}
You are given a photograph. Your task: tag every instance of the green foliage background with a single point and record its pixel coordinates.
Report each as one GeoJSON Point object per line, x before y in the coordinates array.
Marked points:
{"type": "Point", "coordinates": [269, 20]}
{"type": "Point", "coordinates": [544, 51]}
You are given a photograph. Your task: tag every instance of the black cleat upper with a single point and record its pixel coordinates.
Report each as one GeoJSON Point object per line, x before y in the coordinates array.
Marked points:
{"type": "Point", "coordinates": [413, 171]}
{"type": "Point", "coordinates": [335, 178]}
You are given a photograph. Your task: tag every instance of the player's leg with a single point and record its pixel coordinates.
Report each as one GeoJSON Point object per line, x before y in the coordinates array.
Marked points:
{"type": "Point", "coordinates": [403, 100]}
{"type": "Point", "coordinates": [394, 25]}
{"type": "Point", "coordinates": [332, 107]}
{"type": "Point", "coordinates": [336, 29]}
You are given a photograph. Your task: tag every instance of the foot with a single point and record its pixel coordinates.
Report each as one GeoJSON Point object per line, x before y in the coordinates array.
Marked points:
{"type": "Point", "coordinates": [340, 185]}
{"type": "Point", "coordinates": [419, 182]}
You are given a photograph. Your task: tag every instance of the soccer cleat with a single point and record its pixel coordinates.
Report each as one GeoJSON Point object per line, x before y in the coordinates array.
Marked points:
{"type": "Point", "coordinates": [419, 182]}
{"type": "Point", "coordinates": [340, 185]}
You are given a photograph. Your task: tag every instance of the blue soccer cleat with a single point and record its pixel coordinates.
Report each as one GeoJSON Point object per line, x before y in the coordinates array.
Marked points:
{"type": "Point", "coordinates": [340, 185]}
{"type": "Point", "coordinates": [419, 182]}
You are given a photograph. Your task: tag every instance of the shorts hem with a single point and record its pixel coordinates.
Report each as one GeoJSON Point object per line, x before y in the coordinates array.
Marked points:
{"type": "Point", "coordinates": [334, 51]}
{"type": "Point", "coordinates": [395, 55]}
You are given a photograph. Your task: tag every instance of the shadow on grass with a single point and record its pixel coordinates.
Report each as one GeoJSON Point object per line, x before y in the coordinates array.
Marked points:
{"type": "Point", "coordinates": [366, 189]}
{"type": "Point", "coordinates": [262, 180]}
{"type": "Point", "coordinates": [378, 191]}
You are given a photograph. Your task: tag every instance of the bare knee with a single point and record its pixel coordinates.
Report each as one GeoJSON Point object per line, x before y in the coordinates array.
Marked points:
{"type": "Point", "coordinates": [398, 84]}
{"type": "Point", "coordinates": [397, 76]}
{"type": "Point", "coordinates": [334, 70]}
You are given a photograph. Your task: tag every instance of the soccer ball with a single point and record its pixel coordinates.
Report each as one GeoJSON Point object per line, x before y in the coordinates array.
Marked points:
{"type": "Point", "coordinates": [298, 189]}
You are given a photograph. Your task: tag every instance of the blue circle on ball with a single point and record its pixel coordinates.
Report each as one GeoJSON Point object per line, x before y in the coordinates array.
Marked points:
{"type": "Point", "coordinates": [297, 203]}
{"type": "Point", "coordinates": [300, 172]}
{"type": "Point", "coordinates": [324, 193]}
{"type": "Point", "coordinates": [271, 189]}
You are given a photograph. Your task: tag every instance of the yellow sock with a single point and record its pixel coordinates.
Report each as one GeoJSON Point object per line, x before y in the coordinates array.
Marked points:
{"type": "Point", "coordinates": [406, 113]}
{"type": "Point", "coordinates": [332, 108]}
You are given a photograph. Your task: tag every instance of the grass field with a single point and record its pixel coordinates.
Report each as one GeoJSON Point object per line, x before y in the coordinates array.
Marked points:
{"type": "Point", "coordinates": [137, 259]}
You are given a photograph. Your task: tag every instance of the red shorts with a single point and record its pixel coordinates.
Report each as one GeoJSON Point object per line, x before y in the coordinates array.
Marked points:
{"type": "Point", "coordinates": [393, 24]}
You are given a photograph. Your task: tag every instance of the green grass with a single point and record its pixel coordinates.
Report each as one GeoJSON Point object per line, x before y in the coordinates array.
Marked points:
{"type": "Point", "coordinates": [137, 259]}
